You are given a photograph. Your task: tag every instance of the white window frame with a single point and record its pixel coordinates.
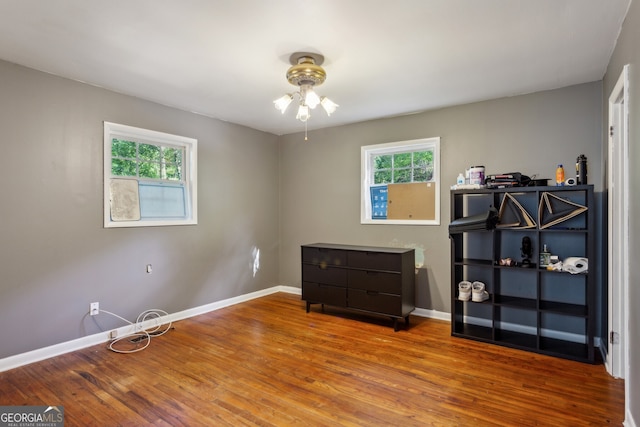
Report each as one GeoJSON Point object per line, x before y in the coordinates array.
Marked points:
{"type": "Point", "coordinates": [189, 173]}
{"type": "Point", "coordinates": [368, 153]}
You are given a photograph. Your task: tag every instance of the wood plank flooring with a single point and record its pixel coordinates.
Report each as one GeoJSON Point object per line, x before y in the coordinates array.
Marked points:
{"type": "Point", "coordinates": [267, 362]}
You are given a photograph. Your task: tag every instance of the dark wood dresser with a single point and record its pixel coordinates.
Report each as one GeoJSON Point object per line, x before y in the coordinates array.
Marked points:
{"type": "Point", "coordinates": [368, 279]}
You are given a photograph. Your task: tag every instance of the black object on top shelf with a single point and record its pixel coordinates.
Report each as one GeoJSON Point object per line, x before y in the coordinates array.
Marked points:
{"type": "Point", "coordinates": [484, 221]}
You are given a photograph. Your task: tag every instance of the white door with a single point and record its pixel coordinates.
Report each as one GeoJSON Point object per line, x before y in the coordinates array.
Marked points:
{"type": "Point", "coordinates": [618, 226]}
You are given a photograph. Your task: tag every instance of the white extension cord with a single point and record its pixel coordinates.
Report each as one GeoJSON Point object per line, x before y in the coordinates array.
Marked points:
{"type": "Point", "coordinates": [139, 334]}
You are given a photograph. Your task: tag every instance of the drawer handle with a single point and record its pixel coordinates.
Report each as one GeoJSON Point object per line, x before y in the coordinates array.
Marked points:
{"type": "Point", "coordinates": [372, 293]}
{"type": "Point", "coordinates": [372, 273]}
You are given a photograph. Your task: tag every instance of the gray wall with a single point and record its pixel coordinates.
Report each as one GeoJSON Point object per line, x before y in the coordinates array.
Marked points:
{"type": "Point", "coordinates": [55, 255]}
{"type": "Point", "coordinates": [628, 52]}
{"type": "Point", "coordinates": [320, 178]}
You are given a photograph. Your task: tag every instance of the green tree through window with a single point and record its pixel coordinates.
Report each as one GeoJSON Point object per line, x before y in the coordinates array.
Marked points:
{"type": "Point", "coordinates": [414, 166]}
{"type": "Point", "coordinates": [155, 162]}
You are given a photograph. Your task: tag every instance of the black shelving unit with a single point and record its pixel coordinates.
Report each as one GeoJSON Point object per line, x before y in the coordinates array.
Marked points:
{"type": "Point", "coordinates": [530, 307]}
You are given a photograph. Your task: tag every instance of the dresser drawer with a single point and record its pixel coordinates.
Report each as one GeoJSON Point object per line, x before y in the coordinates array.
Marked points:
{"type": "Point", "coordinates": [324, 256]}
{"type": "Point", "coordinates": [324, 274]}
{"type": "Point", "coordinates": [378, 281]}
{"type": "Point", "coordinates": [325, 294]}
{"type": "Point", "coordinates": [375, 301]}
{"type": "Point", "coordinates": [374, 260]}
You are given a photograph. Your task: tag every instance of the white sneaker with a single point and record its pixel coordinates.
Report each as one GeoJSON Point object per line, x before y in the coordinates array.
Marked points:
{"type": "Point", "coordinates": [478, 292]}
{"type": "Point", "coordinates": [464, 291]}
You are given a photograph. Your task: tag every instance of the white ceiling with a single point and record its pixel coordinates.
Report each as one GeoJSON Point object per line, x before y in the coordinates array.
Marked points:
{"type": "Point", "coordinates": [228, 58]}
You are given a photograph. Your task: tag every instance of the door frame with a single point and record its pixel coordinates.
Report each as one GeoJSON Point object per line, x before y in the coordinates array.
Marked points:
{"type": "Point", "coordinates": [618, 227]}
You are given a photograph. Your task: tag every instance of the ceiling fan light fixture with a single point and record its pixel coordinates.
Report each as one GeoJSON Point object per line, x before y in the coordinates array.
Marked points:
{"type": "Point", "coordinates": [311, 98]}
{"type": "Point", "coordinates": [303, 113]}
{"type": "Point", "coordinates": [306, 73]}
{"type": "Point", "coordinates": [306, 70]}
{"type": "Point", "coordinates": [283, 102]}
{"type": "Point", "coordinates": [328, 105]}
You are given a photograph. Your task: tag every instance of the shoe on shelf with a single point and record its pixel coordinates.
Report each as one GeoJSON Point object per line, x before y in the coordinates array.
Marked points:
{"type": "Point", "coordinates": [464, 291]}
{"type": "Point", "coordinates": [478, 294]}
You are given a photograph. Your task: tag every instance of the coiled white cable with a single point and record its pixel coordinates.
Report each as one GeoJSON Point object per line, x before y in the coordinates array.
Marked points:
{"type": "Point", "coordinates": [140, 335]}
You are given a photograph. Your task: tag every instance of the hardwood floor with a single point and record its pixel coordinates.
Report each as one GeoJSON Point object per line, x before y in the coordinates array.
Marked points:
{"type": "Point", "coordinates": [268, 363]}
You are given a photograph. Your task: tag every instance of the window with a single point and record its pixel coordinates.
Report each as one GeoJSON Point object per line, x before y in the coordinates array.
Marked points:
{"type": "Point", "coordinates": [401, 183]}
{"type": "Point", "coordinates": [149, 178]}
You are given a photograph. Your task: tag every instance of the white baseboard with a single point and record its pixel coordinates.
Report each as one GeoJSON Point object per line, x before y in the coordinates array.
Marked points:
{"type": "Point", "coordinates": [432, 314]}
{"type": "Point", "coordinates": [229, 302]}
{"type": "Point", "coordinates": [629, 421]}
{"type": "Point", "coordinates": [18, 360]}
{"type": "Point", "coordinates": [530, 330]}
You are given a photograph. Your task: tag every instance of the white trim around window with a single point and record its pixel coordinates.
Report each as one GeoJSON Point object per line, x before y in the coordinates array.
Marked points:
{"type": "Point", "coordinates": [430, 177]}
{"type": "Point", "coordinates": [150, 178]}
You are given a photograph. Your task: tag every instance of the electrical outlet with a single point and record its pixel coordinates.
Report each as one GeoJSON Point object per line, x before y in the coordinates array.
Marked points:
{"type": "Point", "coordinates": [113, 334]}
{"type": "Point", "coordinates": [94, 308]}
